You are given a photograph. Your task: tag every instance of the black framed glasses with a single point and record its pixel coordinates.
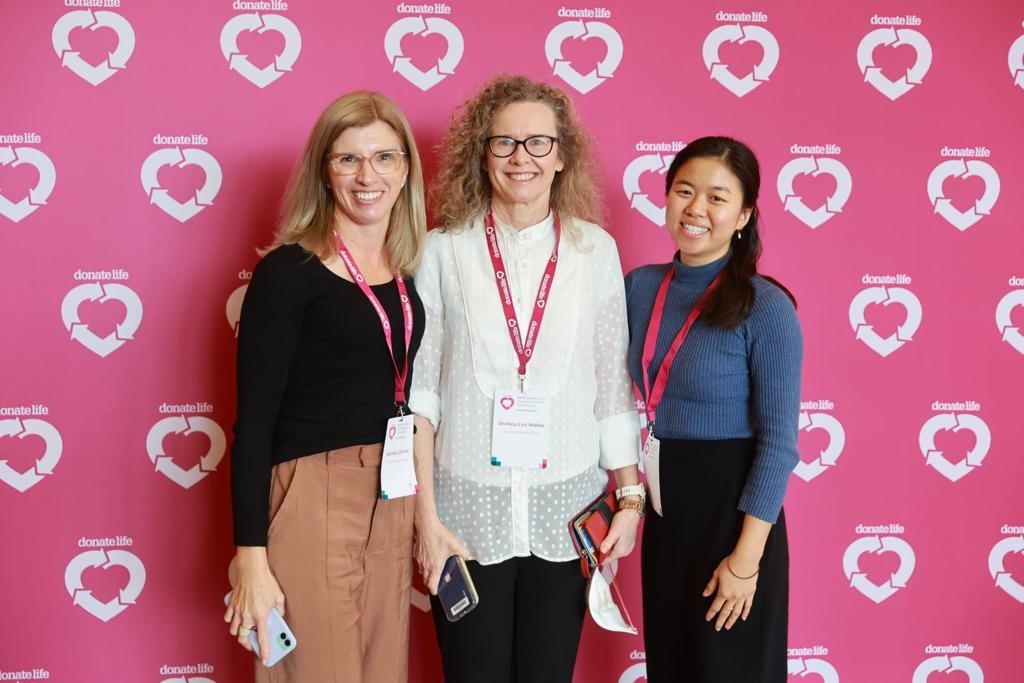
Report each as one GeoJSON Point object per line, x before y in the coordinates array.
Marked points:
{"type": "Point", "coordinates": [503, 146]}
{"type": "Point", "coordinates": [383, 162]}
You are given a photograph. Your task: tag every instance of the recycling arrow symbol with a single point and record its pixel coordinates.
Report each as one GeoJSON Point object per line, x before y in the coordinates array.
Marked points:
{"type": "Point", "coordinates": [233, 309]}
{"type": "Point", "coordinates": [808, 470]}
{"type": "Point", "coordinates": [180, 424]}
{"type": "Point", "coordinates": [959, 168]}
{"type": "Point", "coordinates": [810, 166]}
{"type": "Point", "coordinates": [886, 296]}
{"type": "Point", "coordinates": [894, 38]}
{"type": "Point", "coordinates": [946, 664]}
{"type": "Point", "coordinates": [72, 59]}
{"type": "Point", "coordinates": [37, 195]}
{"type": "Point", "coordinates": [418, 26]}
{"type": "Point", "coordinates": [1015, 58]}
{"type": "Point", "coordinates": [105, 611]}
{"type": "Point", "coordinates": [260, 23]}
{"type": "Point", "coordinates": [873, 544]}
{"type": "Point", "coordinates": [743, 34]}
{"type": "Point", "coordinates": [1011, 334]}
{"type": "Point", "coordinates": [997, 567]}
{"type": "Point", "coordinates": [175, 156]}
{"type": "Point", "coordinates": [806, 667]}
{"type": "Point", "coordinates": [94, 291]}
{"type": "Point", "coordinates": [581, 30]}
{"type": "Point", "coordinates": [639, 200]}
{"type": "Point", "coordinates": [955, 422]}
{"type": "Point", "coordinates": [23, 481]}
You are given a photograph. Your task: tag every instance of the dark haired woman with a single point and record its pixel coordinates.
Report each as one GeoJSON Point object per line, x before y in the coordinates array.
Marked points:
{"type": "Point", "coordinates": [715, 354]}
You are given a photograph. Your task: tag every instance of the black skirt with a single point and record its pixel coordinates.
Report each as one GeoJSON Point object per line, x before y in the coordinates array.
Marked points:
{"type": "Point", "coordinates": [701, 483]}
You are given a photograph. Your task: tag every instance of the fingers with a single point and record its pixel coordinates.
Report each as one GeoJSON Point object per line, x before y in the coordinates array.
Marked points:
{"type": "Point", "coordinates": [264, 642]}
{"type": "Point", "coordinates": [241, 633]}
{"type": "Point", "coordinates": [726, 613]}
{"type": "Point", "coordinates": [710, 589]}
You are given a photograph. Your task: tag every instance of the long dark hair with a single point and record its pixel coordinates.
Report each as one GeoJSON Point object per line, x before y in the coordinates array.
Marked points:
{"type": "Point", "coordinates": [731, 302]}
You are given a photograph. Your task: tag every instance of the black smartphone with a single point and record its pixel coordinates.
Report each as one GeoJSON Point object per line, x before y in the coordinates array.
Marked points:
{"type": "Point", "coordinates": [456, 590]}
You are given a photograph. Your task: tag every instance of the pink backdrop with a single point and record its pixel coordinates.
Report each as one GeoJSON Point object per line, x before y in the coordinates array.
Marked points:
{"type": "Point", "coordinates": [144, 147]}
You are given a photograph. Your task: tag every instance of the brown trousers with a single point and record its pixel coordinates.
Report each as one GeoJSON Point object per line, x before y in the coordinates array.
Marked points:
{"type": "Point", "coordinates": [343, 558]}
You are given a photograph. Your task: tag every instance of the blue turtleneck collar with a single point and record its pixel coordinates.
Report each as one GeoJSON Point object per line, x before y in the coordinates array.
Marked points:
{"type": "Point", "coordinates": [698, 277]}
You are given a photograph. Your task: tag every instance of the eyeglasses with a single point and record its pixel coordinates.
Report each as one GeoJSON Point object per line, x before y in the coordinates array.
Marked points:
{"type": "Point", "coordinates": [383, 162]}
{"type": "Point", "coordinates": [503, 146]}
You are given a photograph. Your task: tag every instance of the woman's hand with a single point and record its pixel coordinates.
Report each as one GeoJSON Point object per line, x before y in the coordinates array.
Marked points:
{"type": "Point", "coordinates": [435, 543]}
{"type": "Point", "coordinates": [256, 592]}
{"type": "Point", "coordinates": [735, 595]}
{"type": "Point", "coordinates": [621, 536]}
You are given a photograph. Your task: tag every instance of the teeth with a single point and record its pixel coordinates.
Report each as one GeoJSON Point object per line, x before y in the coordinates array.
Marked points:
{"type": "Point", "coordinates": [694, 229]}
{"type": "Point", "coordinates": [521, 176]}
{"type": "Point", "coordinates": [367, 196]}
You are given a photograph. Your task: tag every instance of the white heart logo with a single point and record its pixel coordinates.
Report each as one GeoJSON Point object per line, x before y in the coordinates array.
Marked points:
{"type": "Point", "coordinates": [605, 68]}
{"type": "Point", "coordinates": [116, 60]}
{"type": "Point", "coordinates": [418, 26]}
{"type": "Point", "coordinates": [175, 156]}
{"type": "Point", "coordinates": [261, 23]}
{"type": "Point", "coordinates": [634, 674]}
{"type": "Point", "coordinates": [859, 580]}
{"type": "Point", "coordinates": [1015, 58]}
{"type": "Point", "coordinates": [946, 664]}
{"type": "Point", "coordinates": [37, 195]}
{"type": "Point", "coordinates": [744, 34]}
{"type": "Point", "coordinates": [794, 204]}
{"type": "Point", "coordinates": [805, 667]}
{"type": "Point", "coordinates": [181, 425]}
{"type": "Point", "coordinates": [960, 168]}
{"type": "Point", "coordinates": [997, 568]}
{"type": "Point", "coordinates": [904, 333]}
{"type": "Point", "coordinates": [895, 38]}
{"type": "Point", "coordinates": [808, 470]}
{"type": "Point", "coordinates": [955, 422]}
{"type": "Point", "coordinates": [234, 307]}
{"type": "Point", "coordinates": [631, 185]}
{"type": "Point", "coordinates": [105, 611]}
{"type": "Point", "coordinates": [94, 291]}
{"type": "Point", "coordinates": [23, 481]}
{"type": "Point", "coordinates": [1011, 335]}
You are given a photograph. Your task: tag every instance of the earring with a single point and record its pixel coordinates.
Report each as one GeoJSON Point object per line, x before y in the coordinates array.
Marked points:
{"type": "Point", "coordinates": [739, 234]}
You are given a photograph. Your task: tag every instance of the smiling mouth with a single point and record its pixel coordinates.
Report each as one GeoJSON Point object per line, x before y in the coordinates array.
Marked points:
{"type": "Point", "coordinates": [694, 230]}
{"type": "Point", "coordinates": [521, 177]}
{"type": "Point", "coordinates": [368, 196]}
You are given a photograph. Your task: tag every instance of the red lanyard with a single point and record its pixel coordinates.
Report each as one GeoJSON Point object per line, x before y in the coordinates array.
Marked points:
{"type": "Point", "coordinates": [524, 348]}
{"type": "Point", "coordinates": [385, 323]}
{"type": "Point", "coordinates": [652, 395]}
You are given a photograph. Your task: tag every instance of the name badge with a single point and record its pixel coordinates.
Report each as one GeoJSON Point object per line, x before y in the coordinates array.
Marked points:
{"type": "Point", "coordinates": [652, 453]}
{"type": "Point", "coordinates": [397, 468]}
{"type": "Point", "coordinates": [519, 431]}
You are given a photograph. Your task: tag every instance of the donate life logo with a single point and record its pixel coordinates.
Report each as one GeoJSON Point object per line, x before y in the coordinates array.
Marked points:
{"type": "Point", "coordinates": [830, 454]}
{"type": "Point", "coordinates": [189, 679]}
{"type": "Point", "coordinates": [180, 424]}
{"type": "Point", "coordinates": [794, 204]}
{"type": "Point", "coordinates": [886, 296]}
{"type": "Point", "coordinates": [37, 196]}
{"type": "Point", "coordinates": [233, 309]}
{"type": "Point", "coordinates": [175, 156]}
{"type": "Point", "coordinates": [878, 545]}
{"type": "Point", "coordinates": [1011, 334]}
{"type": "Point", "coordinates": [955, 422]}
{"type": "Point", "coordinates": [960, 168]}
{"type": "Point", "coordinates": [638, 200]}
{"type": "Point", "coordinates": [105, 611]}
{"type": "Point", "coordinates": [744, 34]}
{"type": "Point", "coordinates": [69, 58]}
{"type": "Point", "coordinates": [581, 30]}
{"type": "Point", "coordinates": [997, 567]}
{"type": "Point", "coordinates": [806, 667]}
{"type": "Point", "coordinates": [261, 23]}
{"type": "Point", "coordinates": [23, 481]}
{"type": "Point", "coordinates": [1016, 61]}
{"type": "Point", "coordinates": [423, 27]}
{"type": "Point", "coordinates": [94, 291]}
{"type": "Point", "coordinates": [947, 665]}
{"type": "Point", "coordinates": [634, 674]}
{"type": "Point", "coordinates": [894, 38]}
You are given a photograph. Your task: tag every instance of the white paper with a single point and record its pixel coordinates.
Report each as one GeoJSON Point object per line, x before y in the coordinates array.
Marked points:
{"type": "Point", "coordinates": [652, 455]}
{"type": "Point", "coordinates": [519, 430]}
{"type": "Point", "coordinates": [397, 467]}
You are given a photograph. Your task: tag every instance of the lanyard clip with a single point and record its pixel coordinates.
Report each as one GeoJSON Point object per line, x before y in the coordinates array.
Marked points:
{"type": "Point", "coordinates": [401, 411]}
{"type": "Point", "coordinates": [522, 383]}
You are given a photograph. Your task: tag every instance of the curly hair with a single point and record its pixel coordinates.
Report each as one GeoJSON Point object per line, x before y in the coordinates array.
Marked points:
{"type": "Point", "coordinates": [461, 190]}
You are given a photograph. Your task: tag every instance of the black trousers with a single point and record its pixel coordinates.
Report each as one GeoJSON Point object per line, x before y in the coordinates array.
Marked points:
{"type": "Point", "coordinates": [701, 482]}
{"type": "Point", "coordinates": [526, 628]}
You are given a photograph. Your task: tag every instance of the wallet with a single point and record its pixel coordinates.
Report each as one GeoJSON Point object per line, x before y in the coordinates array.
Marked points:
{"type": "Point", "coordinates": [589, 529]}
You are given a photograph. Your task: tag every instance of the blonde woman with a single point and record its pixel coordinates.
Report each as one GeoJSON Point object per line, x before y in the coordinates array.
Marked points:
{"type": "Point", "coordinates": [329, 329]}
{"type": "Point", "coordinates": [518, 249]}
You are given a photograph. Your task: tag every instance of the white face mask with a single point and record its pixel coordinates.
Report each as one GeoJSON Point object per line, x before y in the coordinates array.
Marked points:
{"type": "Point", "coordinates": [603, 607]}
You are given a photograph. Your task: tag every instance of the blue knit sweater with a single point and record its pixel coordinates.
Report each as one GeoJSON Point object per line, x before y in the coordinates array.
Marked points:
{"type": "Point", "coordinates": [726, 384]}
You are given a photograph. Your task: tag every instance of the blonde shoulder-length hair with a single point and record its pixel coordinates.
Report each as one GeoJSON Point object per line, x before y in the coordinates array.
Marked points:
{"type": "Point", "coordinates": [461, 191]}
{"type": "Point", "coordinates": [307, 211]}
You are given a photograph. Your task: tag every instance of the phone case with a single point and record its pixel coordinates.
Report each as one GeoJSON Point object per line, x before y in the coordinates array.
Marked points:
{"type": "Point", "coordinates": [456, 590]}
{"type": "Point", "coordinates": [282, 640]}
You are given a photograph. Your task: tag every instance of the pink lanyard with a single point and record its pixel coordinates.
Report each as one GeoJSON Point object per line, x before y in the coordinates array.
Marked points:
{"type": "Point", "coordinates": [652, 396]}
{"type": "Point", "coordinates": [385, 323]}
{"type": "Point", "coordinates": [524, 349]}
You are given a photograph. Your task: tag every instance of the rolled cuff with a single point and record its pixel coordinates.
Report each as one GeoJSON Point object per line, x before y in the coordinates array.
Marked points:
{"type": "Point", "coordinates": [620, 440]}
{"type": "Point", "coordinates": [426, 404]}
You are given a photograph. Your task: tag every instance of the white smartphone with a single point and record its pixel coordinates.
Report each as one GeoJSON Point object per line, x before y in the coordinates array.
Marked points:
{"type": "Point", "coordinates": [282, 640]}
